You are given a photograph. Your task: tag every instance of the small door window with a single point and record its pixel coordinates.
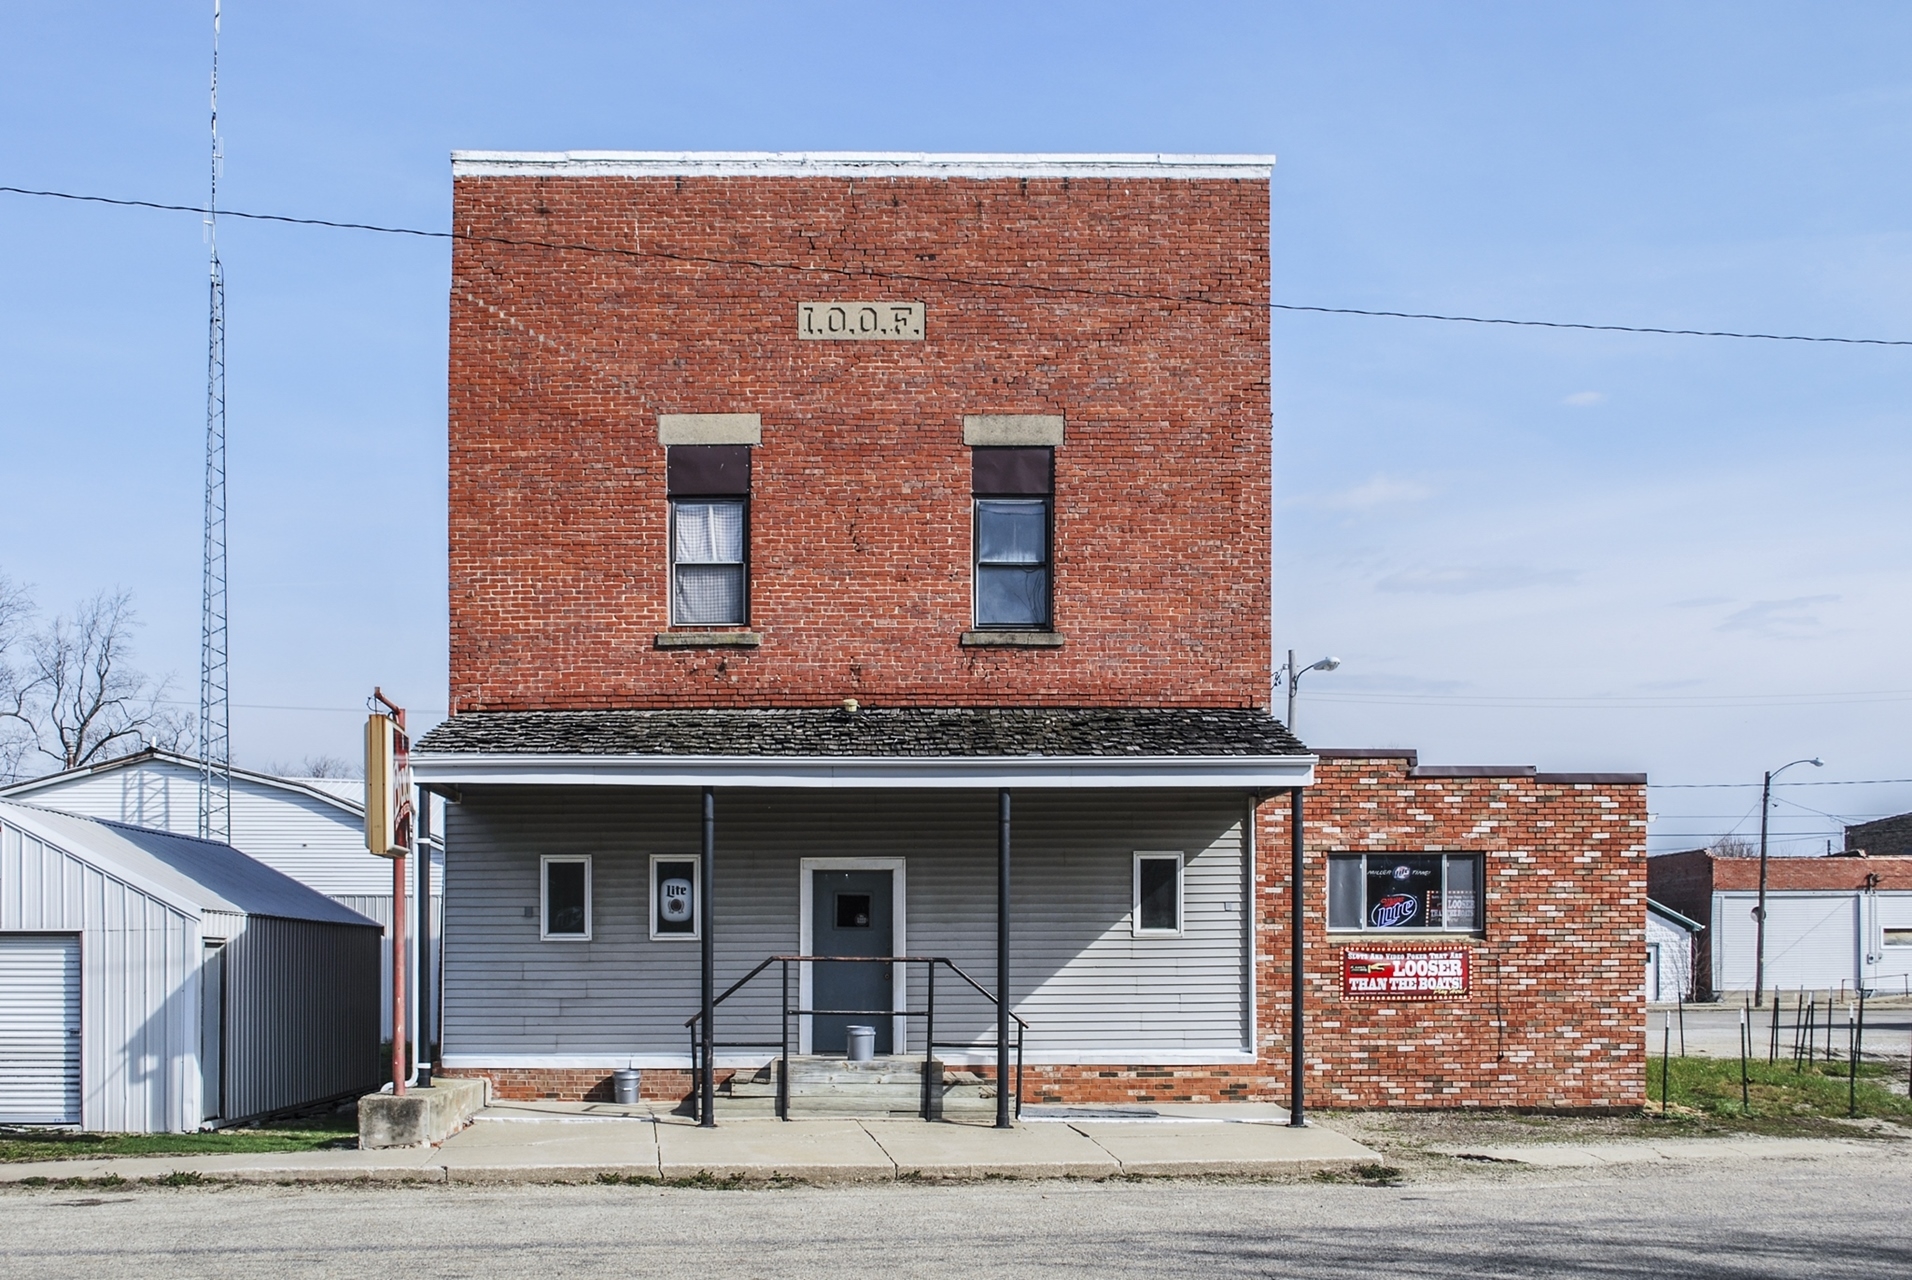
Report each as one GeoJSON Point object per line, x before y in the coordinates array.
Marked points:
{"type": "Point", "coordinates": [1158, 894]}
{"type": "Point", "coordinates": [566, 897]}
{"type": "Point", "coordinates": [853, 911]}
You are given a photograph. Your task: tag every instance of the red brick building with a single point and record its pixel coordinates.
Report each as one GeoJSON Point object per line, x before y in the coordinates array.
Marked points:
{"type": "Point", "coordinates": [825, 527]}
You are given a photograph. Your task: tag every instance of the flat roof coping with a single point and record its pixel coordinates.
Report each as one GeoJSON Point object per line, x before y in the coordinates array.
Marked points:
{"type": "Point", "coordinates": [856, 164]}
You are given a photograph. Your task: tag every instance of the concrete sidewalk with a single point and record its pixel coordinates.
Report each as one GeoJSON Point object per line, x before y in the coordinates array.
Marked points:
{"type": "Point", "coordinates": [584, 1142]}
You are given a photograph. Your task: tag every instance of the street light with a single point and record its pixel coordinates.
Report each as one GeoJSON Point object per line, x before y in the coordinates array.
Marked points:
{"type": "Point", "coordinates": [1759, 912]}
{"type": "Point", "coordinates": [1293, 678]}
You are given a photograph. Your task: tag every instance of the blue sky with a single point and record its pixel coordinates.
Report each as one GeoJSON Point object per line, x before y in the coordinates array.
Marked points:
{"type": "Point", "coordinates": [1585, 551]}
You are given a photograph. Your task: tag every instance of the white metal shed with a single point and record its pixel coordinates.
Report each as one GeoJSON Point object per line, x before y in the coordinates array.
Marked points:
{"type": "Point", "coordinates": [312, 829]}
{"type": "Point", "coordinates": [152, 982]}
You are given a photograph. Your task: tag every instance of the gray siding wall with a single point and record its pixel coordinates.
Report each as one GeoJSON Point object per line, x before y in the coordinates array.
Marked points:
{"type": "Point", "coordinates": [301, 1012]}
{"type": "Point", "coordinates": [139, 983]}
{"type": "Point", "coordinates": [1090, 989]}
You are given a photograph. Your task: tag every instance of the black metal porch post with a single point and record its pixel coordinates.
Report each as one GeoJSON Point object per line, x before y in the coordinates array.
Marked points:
{"type": "Point", "coordinates": [707, 874]}
{"type": "Point", "coordinates": [1002, 958]}
{"type": "Point", "coordinates": [1297, 1087]}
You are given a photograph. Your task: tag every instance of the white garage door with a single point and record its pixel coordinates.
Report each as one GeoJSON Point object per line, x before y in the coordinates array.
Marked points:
{"type": "Point", "coordinates": [39, 1029]}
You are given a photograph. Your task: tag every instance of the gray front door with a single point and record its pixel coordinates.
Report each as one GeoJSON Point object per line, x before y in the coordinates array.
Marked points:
{"type": "Point", "coordinates": [851, 914]}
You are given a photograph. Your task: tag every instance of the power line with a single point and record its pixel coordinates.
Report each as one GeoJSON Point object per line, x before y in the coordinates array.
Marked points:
{"type": "Point", "coordinates": [1854, 782]}
{"type": "Point", "coordinates": [1020, 286]}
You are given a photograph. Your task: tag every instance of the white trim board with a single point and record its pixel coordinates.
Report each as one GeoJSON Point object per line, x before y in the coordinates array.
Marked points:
{"type": "Point", "coordinates": [899, 934]}
{"type": "Point", "coordinates": [1234, 773]}
{"type": "Point", "coordinates": [856, 164]}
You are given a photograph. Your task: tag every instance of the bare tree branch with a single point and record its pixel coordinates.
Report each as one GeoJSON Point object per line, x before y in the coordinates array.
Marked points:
{"type": "Point", "coordinates": [73, 695]}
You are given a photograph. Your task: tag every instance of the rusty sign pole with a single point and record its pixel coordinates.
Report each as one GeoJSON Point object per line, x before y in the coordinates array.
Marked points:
{"type": "Point", "coordinates": [395, 781]}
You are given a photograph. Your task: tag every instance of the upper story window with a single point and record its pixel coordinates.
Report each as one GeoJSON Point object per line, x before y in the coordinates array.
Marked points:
{"type": "Point", "coordinates": [1014, 492]}
{"type": "Point", "coordinates": [709, 486]}
{"type": "Point", "coordinates": [1405, 892]}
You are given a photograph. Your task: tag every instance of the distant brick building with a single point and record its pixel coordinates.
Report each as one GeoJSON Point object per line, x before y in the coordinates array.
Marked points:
{"type": "Point", "coordinates": [823, 526]}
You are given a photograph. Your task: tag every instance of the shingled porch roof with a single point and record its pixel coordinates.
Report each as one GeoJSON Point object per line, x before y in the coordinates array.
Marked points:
{"type": "Point", "coordinates": [872, 746]}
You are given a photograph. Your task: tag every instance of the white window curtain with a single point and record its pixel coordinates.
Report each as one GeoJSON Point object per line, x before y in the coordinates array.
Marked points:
{"type": "Point", "coordinates": [708, 563]}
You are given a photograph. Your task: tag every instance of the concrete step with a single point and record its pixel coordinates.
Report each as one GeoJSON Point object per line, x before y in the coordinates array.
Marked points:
{"type": "Point", "coordinates": [823, 1085]}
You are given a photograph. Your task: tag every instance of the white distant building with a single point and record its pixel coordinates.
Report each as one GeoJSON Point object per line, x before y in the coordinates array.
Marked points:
{"type": "Point", "coordinates": [311, 829]}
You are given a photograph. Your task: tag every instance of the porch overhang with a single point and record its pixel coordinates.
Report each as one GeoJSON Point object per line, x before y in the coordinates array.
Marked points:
{"type": "Point", "coordinates": [949, 773]}
{"type": "Point", "coordinates": [968, 748]}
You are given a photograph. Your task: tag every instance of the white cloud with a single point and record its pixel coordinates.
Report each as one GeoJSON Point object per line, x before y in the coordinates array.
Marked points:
{"type": "Point", "coordinates": [1380, 491]}
{"type": "Point", "coordinates": [1459, 580]}
{"type": "Point", "coordinates": [1584, 399]}
{"type": "Point", "coordinates": [1777, 618]}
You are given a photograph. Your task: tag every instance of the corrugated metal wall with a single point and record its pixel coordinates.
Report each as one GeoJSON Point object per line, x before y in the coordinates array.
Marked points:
{"type": "Point", "coordinates": [1676, 959]}
{"type": "Point", "coordinates": [1092, 990]}
{"type": "Point", "coordinates": [139, 960]}
{"type": "Point", "coordinates": [302, 1011]}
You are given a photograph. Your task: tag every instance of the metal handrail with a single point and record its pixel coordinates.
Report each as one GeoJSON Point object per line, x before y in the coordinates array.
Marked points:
{"type": "Point", "coordinates": [928, 1014]}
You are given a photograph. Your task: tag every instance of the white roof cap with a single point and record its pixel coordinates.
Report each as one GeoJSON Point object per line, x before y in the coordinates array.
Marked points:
{"type": "Point", "coordinates": [853, 164]}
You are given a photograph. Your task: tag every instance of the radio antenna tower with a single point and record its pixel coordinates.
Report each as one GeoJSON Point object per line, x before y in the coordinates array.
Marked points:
{"type": "Point", "coordinates": [215, 739]}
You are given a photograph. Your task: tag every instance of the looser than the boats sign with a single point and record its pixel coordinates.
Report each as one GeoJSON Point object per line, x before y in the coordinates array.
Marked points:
{"type": "Point", "coordinates": [1390, 973]}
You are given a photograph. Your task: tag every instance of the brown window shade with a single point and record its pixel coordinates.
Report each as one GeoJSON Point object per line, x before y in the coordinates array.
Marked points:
{"type": "Point", "coordinates": [709, 470]}
{"type": "Point", "coordinates": [1009, 473]}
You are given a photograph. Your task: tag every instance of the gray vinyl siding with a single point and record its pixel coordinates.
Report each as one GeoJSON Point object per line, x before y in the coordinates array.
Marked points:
{"type": "Point", "coordinates": [1091, 990]}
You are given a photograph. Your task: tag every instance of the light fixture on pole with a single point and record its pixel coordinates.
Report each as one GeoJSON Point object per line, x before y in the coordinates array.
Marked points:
{"type": "Point", "coordinates": [1293, 677]}
{"type": "Point", "coordinates": [1759, 912]}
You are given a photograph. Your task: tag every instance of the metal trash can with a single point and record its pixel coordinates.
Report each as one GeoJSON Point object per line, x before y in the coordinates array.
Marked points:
{"type": "Point", "coordinates": [861, 1043]}
{"type": "Point", "coordinates": [625, 1086]}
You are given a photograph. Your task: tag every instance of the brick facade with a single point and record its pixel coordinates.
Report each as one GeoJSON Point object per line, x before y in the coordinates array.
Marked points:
{"type": "Point", "coordinates": [1556, 1018]}
{"type": "Point", "coordinates": [561, 362]}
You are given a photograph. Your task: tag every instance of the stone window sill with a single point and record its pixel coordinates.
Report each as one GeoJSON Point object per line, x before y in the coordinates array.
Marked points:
{"type": "Point", "coordinates": [1012, 640]}
{"type": "Point", "coordinates": [709, 639]}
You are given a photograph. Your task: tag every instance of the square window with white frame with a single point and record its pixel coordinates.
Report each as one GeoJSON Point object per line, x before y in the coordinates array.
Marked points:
{"type": "Point", "coordinates": [564, 897]}
{"type": "Point", "coordinates": [1157, 895]}
{"type": "Point", "coordinates": [674, 905]}
{"type": "Point", "coordinates": [1405, 892]}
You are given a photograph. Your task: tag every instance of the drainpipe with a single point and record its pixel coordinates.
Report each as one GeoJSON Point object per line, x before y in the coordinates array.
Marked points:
{"type": "Point", "coordinates": [427, 1005]}
{"type": "Point", "coordinates": [1297, 1087]}
{"type": "Point", "coordinates": [707, 1079]}
{"type": "Point", "coordinates": [1002, 958]}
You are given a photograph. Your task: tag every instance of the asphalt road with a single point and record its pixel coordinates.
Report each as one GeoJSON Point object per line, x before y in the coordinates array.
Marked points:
{"type": "Point", "coordinates": [1824, 1218]}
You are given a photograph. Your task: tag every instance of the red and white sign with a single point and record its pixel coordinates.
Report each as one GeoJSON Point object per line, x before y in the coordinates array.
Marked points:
{"type": "Point", "coordinates": [1401, 973]}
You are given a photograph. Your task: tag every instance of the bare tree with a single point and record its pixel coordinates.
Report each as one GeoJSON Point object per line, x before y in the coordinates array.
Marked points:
{"type": "Point", "coordinates": [321, 766]}
{"type": "Point", "coordinates": [74, 696]}
{"type": "Point", "coordinates": [17, 739]}
{"type": "Point", "coordinates": [1735, 846]}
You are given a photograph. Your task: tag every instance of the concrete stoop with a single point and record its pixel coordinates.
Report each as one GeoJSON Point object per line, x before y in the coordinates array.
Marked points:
{"type": "Point", "coordinates": [419, 1117]}
{"type": "Point", "coordinates": [829, 1087]}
